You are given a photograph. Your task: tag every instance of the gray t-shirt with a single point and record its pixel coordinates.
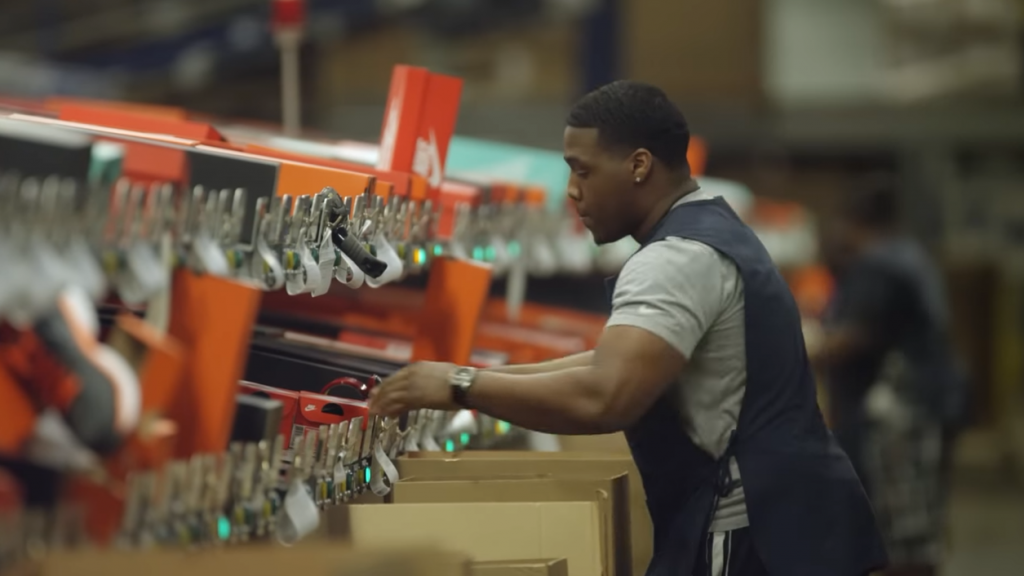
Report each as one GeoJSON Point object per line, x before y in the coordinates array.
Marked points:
{"type": "Point", "coordinates": [691, 296]}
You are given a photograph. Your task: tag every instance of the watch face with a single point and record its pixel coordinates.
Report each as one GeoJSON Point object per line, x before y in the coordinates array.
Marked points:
{"type": "Point", "coordinates": [462, 376]}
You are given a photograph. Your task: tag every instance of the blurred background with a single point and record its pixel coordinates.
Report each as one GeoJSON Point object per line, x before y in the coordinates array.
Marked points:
{"type": "Point", "coordinates": [793, 98]}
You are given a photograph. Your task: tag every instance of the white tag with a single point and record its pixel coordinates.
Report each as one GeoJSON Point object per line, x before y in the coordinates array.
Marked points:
{"type": "Point", "coordinates": [325, 265]}
{"type": "Point", "coordinates": [87, 270]}
{"type": "Point", "coordinates": [575, 253]}
{"type": "Point", "coordinates": [384, 465]}
{"type": "Point", "coordinates": [340, 475]}
{"type": "Point", "coordinates": [266, 266]}
{"type": "Point", "coordinates": [8, 281]}
{"type": "Point", "coordinates": [210, 257]}
{"type": "Point", "coordinates": [412, 437]}
{"type": "Point", "coordinates": [43, 282]}
{"type": "Point", "coordinates": [348, 273]}
{"type": "Point", "coordinates": [300, 515]}
{"type": "Point", "coordinates": [310, 269]}
{"type": "Point", "coordinates": [387, 254]}
{"type": "Point", "coordinates": [501, 260]}
{"type": "Point", "coordinates": [158, 311]}
{"type": "Point", "coordinates": [143, 275]}
{"type": "Point", "coordinates": [53, 445]}
{"type": "Point", "coordinates": [307, 276]}
{"type": "Point", "coordinates": [428, 442]}
{"type": "Point", "coordinates": [515, 290]}
{"type": "Point", "coordinates": [15, 284]}
{"type": "Point", "coordinates": [542, 260]}
{"type": "Point", "coordinates": [294, 282]}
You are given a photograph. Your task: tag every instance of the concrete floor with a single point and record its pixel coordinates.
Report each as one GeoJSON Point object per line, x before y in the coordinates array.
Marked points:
{"type": "Point", "coordinates": [986, 530]}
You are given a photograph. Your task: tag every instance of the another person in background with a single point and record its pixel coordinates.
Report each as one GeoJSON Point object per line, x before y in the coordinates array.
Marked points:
{"type": "Point", "coordinates": [897, 396]}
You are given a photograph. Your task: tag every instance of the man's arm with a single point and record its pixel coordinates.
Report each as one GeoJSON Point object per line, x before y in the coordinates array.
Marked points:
{"type": "Point", "coordinates": [574, 361]}
{"type": "Point", "coordinates": [627, 372]}
{"type": "Point", "coordinates": [666, 299]}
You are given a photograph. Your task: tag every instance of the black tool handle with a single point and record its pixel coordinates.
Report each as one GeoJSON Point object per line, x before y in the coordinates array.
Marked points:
{"type": "Point", "coordinates": [366, 262]}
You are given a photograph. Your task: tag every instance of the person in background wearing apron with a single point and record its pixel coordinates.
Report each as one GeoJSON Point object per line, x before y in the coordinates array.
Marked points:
{"type": "Point", "coordinates": [702, 364]}
{"type": "Point", "coordinates": [897, 394]}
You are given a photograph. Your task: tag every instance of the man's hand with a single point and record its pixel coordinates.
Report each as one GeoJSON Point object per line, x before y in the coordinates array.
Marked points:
{"type": "Point", "coordinates": [423, 385]}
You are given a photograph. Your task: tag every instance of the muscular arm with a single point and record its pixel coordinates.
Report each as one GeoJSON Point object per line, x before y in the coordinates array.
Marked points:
{"type": "Point", "coordinates": [624, 376]}
{"type": "Point", "coordinates": [574, 361]}
{"type": "Point", "coordinates": [667, 297]}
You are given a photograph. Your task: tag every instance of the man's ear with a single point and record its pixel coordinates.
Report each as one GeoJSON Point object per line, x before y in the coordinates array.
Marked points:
{"type": "Point", "coordinates": [641, 163]}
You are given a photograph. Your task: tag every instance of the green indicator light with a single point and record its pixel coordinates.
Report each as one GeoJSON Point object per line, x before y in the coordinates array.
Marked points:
{"type": "Point", "coordinates": [513, 249]}
{"type": "Point", "coordinates": [489, 253]}
{"type": "Point", "coordinates": [478, 253]}
{"type": "Point", "coordinates": [438, 250]}
{"type": "Point", "coordinates": [366, 475]}
{"type": "Point", "coordinates": [223, 528]}
{"type": "Point", "coordinates": [464, 438]}
{"type": "Point", "coordinates": [449, 446]}
{"type": "Point", "coordinates": [504, 427]}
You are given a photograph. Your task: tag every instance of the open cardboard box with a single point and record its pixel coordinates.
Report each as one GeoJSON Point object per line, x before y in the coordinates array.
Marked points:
{"type": "Point", "coordinates": [486, 531]}
{"type": "Point", "coordinates": [610, 494]}
{"type": "Point", "coordinates": [482, 464]}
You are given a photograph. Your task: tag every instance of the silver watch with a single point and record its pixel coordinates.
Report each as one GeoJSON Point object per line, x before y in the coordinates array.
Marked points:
{"type": "Point", "coordinates": [460, 381]}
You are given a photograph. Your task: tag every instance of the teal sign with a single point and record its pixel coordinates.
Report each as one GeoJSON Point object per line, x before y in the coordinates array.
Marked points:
{"type": "Point", "coordinates": [480, 160]}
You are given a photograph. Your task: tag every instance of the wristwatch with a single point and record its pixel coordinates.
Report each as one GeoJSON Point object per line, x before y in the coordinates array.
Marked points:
{"type": "Point", "coordinates": [460, 380]}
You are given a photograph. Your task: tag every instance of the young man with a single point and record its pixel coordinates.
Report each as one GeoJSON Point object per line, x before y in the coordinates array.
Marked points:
{"type": "Point", "coordinates": [702, 364]}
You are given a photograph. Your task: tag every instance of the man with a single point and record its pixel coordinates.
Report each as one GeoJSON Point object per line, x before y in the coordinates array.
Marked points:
{"type": "Point", "coordinates": [896, 392]}
{"type": "Point", "coordinates": [702, 364]}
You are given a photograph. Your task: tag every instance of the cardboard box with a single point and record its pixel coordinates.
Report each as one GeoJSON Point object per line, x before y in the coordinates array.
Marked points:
{"type": "Point", "coordinates": [610, 494]}
{"type": "Point", "coordinates": [603, 443]}
{"type": "Point", "coordinates": [478, 464]}
{"type": "Point", "coordinates": [559, 567]}
{"type": "Point", "coordinates": [308, 559]}
{"type": "Point", "coordinates": [489, 531]}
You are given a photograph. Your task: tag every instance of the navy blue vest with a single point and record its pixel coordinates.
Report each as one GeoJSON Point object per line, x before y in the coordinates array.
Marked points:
{"type": "Point", "coordinates": [809, 515]}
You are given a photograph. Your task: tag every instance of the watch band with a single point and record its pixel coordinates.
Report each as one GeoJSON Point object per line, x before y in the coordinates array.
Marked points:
{"type": "Point", "coordinates": [460, 380]}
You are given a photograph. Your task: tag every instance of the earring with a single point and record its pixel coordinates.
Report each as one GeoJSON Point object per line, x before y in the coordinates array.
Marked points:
{"type": "Point", "coordinates": [637, 179]}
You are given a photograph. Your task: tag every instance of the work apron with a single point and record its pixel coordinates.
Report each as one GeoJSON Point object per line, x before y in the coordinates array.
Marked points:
{"type": "Point", "coordinates": [809, 515]}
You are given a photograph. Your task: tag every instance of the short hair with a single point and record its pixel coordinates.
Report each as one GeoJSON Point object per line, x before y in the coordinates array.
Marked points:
{"type": "Point", "coordinates": [630, 115]}
{"type": "Point", "coordinates": [873, 202]}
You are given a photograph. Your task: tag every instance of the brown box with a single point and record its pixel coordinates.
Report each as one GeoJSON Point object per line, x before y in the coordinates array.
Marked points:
{"type": "Point", "coordinates": [488, 530]}
{"type": "Point", "coordinates": [559, 567]}
{"type": "Point", "coordinates": [603, 443]}
{"type": "Point", "coordinates": [610, 494]}
{"type": "Point", "coordinates": [308, 559]}
{"type": "Point", "coordinates": [477, 464]}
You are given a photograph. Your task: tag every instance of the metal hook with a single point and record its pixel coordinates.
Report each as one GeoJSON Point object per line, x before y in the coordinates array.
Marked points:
{"type": "Point", "coordinates": [69, 219]}
{"type": "Point", "coordinates": [280, 210]}
{"type": "Point", "coordinates": [237, 217]}
{"type": "Point", "coordinates": [298, 221]}
{"type": "Point", "coordinates": [49, 198]}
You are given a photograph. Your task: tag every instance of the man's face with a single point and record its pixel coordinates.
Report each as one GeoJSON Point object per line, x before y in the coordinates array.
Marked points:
{"type": "Point", "coordinates": [599, 183]}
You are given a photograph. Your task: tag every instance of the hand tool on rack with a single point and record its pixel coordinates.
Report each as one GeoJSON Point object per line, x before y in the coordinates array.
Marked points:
{"type": "Point", "coordinates": [265, 263]}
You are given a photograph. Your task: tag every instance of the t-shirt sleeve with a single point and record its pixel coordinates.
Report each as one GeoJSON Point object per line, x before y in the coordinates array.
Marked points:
{"type": "Point", "coordinates": [673, 289]}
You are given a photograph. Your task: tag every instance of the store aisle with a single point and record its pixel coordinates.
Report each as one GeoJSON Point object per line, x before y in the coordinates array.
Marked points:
{"type": "Point", "coordinates": [987, 514]}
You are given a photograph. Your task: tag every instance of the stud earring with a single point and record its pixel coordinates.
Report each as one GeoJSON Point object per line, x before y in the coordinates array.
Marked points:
{"type": "Point", "coordinates": [637, 179]}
